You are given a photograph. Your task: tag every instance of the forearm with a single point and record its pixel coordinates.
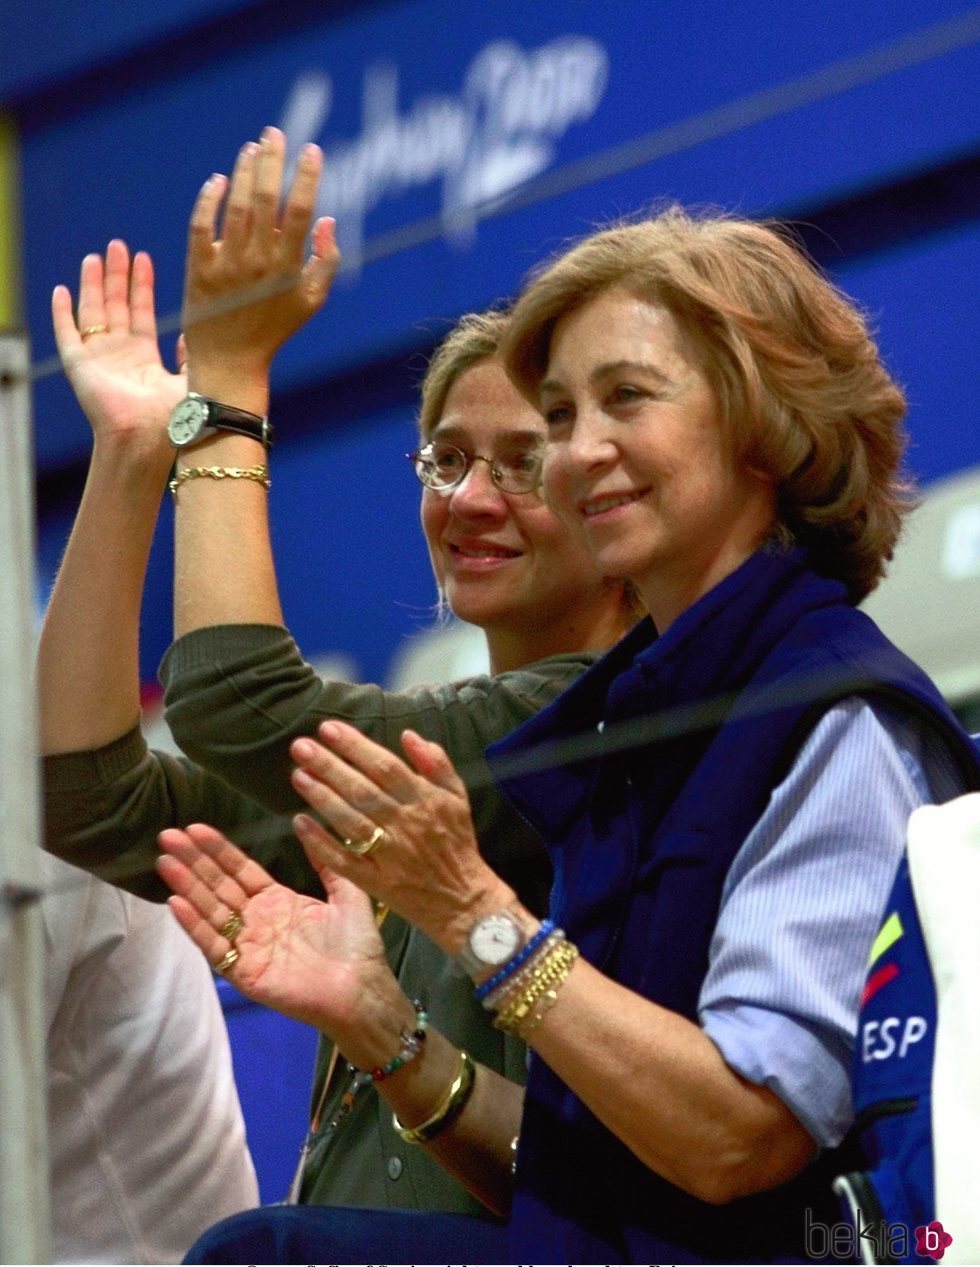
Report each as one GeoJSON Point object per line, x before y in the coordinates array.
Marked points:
{"type": "Point", "coordinates": [653, 1077]}
{"type": "Point", "coordinates": [475, 1147]}
{"type": "Point", "coordinates": [657, 1081]}
{"type": "Point", "coordinates": [223, 566]}
{"type": "Point", "coordinates": [245, 294]}
{"type": "Point", "coordinates": [660, 1084]}
{"type": "Point", "coordinates": [88, 660]}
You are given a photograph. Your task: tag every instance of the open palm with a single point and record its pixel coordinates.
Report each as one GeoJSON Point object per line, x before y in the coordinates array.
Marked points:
{"type": "Point", "coordinates": [310, 959]}
{"type": "Point", "coordinates": [110, 353]}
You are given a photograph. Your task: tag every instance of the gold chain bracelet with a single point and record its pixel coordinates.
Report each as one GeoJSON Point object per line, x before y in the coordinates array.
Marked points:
{"type": "Point", "coordinates": [260, 475]}
{"type": "Point", "coordinates": [549, 974]}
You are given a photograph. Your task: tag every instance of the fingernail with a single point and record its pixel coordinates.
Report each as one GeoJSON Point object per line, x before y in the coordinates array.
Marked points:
{"type": "Point", "coordinates": [304, 749]}
{"type": "Point", "coordinates": [330, 731]}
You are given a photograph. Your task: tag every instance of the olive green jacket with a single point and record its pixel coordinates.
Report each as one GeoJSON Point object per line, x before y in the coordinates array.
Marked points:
{"type": "Point", "coordinates": [236, 697]}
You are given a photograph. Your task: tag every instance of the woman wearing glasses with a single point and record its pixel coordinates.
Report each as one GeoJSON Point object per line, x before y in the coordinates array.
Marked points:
{"type": "Point", "coordinates": [238, 688]}
{"type": "Point", "coordinates": [724, 827]}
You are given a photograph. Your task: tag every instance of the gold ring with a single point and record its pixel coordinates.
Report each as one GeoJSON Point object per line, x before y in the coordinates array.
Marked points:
{"type": "Point", "coordinates": [231, 927]}
{"type": "Point", "coordinates": [94, 330]}
{"type": "Point", "coordinates": [230, 958]}
{"type": "Point", "coordinates": [365, 847]}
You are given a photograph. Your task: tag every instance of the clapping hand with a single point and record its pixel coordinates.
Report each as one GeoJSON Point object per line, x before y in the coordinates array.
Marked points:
{"type": "Point", "coordinates": [320, 962]}
{"type": "Point", "coordinates": [403, 832]}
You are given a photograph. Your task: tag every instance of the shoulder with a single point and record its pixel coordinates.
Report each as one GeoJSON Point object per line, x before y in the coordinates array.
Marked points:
{"type": "Point", "coordinates": [536, 683]}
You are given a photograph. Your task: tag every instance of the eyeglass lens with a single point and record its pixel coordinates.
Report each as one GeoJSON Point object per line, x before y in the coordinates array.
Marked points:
{"type": "Point", "coordinates": [516, 469]}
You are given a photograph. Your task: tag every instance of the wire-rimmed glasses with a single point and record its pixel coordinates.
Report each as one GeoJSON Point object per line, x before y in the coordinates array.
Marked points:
{"type": "Point", "coordinates": [443, 467]}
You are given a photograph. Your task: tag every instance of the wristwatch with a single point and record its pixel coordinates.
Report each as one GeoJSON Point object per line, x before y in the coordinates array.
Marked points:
{"type": "Point", "coordinates": [196, 417]}
{"type": "Point", "coordinates": [491, 942]}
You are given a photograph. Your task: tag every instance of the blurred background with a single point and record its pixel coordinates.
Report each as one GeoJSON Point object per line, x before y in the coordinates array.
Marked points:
{"type": "Point", "coordinates": [465, 142]}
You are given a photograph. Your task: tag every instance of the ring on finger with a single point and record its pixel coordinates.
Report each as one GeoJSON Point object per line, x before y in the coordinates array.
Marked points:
{"type": "Point", "coordinates": [87, 331]}
{"type": "Point", "coordinates": [226, 962]}
{"type": "Point", "coordinates": [231, 927]}
{"type": "Point", "coordinates": [363, 847]}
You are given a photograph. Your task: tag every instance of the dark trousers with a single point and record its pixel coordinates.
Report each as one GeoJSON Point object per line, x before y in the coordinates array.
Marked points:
{"type": "Point", "coordinates": [328, 1234]}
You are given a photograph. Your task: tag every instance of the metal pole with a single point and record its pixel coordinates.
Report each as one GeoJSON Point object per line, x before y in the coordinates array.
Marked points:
{"type": "Point", "coordinates": [24, 1191]}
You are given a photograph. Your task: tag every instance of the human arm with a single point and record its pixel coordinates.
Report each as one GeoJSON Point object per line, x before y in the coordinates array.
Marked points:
{"type": "Point", "coordinates": [105, 794]}
{"type": "Point", "coordinates": [653, 1077]}
{"type": "Point", "coordinates": [323, 963]}
{"type": "Point", "coordinates": [104, 808]}
{"type": "Point", "coordinates": [802, 902]}
{"type": "Point", "coordinates": [237, 695]}
{"type": "Point", "coordinates": [245, 294]}
{"type": "Point", "coordinates": [88, 665]}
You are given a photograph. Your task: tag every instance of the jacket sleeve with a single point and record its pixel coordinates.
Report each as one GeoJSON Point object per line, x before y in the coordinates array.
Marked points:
{"type": "Point", "coordinates": [237, 695]}
{"type": "Point", "coordinates": [104, 809]}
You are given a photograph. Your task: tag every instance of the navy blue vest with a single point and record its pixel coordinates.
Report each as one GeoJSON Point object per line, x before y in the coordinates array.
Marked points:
{"type": "Point", "coordinates": [643, 821]}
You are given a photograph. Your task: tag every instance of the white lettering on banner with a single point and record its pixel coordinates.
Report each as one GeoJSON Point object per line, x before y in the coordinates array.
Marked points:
{"type": "Point", "coordinates": [880, 1039]}
{"type": "Point", "coordinates": [483, 144]}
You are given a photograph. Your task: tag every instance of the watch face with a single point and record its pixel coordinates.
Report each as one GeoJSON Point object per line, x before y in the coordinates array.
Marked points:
{"type": "Point", "coordinates": [186, 421]}
{"type": "Point", "coordinates": [495, 939]}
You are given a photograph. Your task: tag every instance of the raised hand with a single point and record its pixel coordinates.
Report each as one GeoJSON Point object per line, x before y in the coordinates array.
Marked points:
{"type": "Point", "coordinates": [110, 352]}
{"type": "Point", "coordinates": [248, 290]}
{"type": "Point", "coordinates": [407, 830]}
{"type": "Point", "coordinates": [318, 962]}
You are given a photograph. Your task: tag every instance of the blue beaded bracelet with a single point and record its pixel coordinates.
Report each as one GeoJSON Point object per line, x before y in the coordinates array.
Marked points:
{"type": "Point", "coordinates": [511, 966]}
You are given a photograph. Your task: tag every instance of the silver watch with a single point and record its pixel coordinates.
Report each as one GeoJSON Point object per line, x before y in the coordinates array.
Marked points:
{"type": "Point", "coordinates": [196, 417]}
{"type": "Point", "coordinates": [491, 942]}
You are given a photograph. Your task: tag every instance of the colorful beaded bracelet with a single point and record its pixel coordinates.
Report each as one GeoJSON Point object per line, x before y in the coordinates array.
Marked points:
{"type": "Point", "coordinates": [411, 1045]}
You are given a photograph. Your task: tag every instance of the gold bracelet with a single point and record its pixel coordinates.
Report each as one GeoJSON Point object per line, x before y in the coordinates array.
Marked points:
{"type": "Point", "coordinates": [537, 977]}
{"type": "Point", "coordinates": [547, 978]}
{"type": "Point", "coordinates": [260, 474]}
{"type": "Point", "coordinates": [453, 1103]}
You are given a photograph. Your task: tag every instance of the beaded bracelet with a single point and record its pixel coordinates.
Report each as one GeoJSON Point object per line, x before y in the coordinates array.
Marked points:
{"type": "Point", "coordinates": [547, 977]}
{"type": "Point", "coordinates": [411, 1045]}
{"type": "Point", "coordinates": [515, 984]}
{"type": "Point", "coordinates": [515, 961]}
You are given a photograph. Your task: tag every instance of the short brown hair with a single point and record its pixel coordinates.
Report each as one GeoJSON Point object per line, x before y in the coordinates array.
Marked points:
{"type": "Point", "coordinates": [476, 337]}
{"type": "Point", "coordinates": [804, 396]}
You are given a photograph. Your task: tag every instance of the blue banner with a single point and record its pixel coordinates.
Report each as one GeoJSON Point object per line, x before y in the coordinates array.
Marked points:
{"type": "Point", "coordinates": [466, 141]}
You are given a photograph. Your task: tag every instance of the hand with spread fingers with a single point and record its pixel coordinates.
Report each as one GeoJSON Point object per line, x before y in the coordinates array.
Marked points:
{"type": "Point", "coordinates": [110, 351]}
{"type": "Point", "coordinates": [247, 290]}
{"type": "Point", "coordinates": [402, 832]}
{"type": "Point", "coordinates": [319, 962]}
